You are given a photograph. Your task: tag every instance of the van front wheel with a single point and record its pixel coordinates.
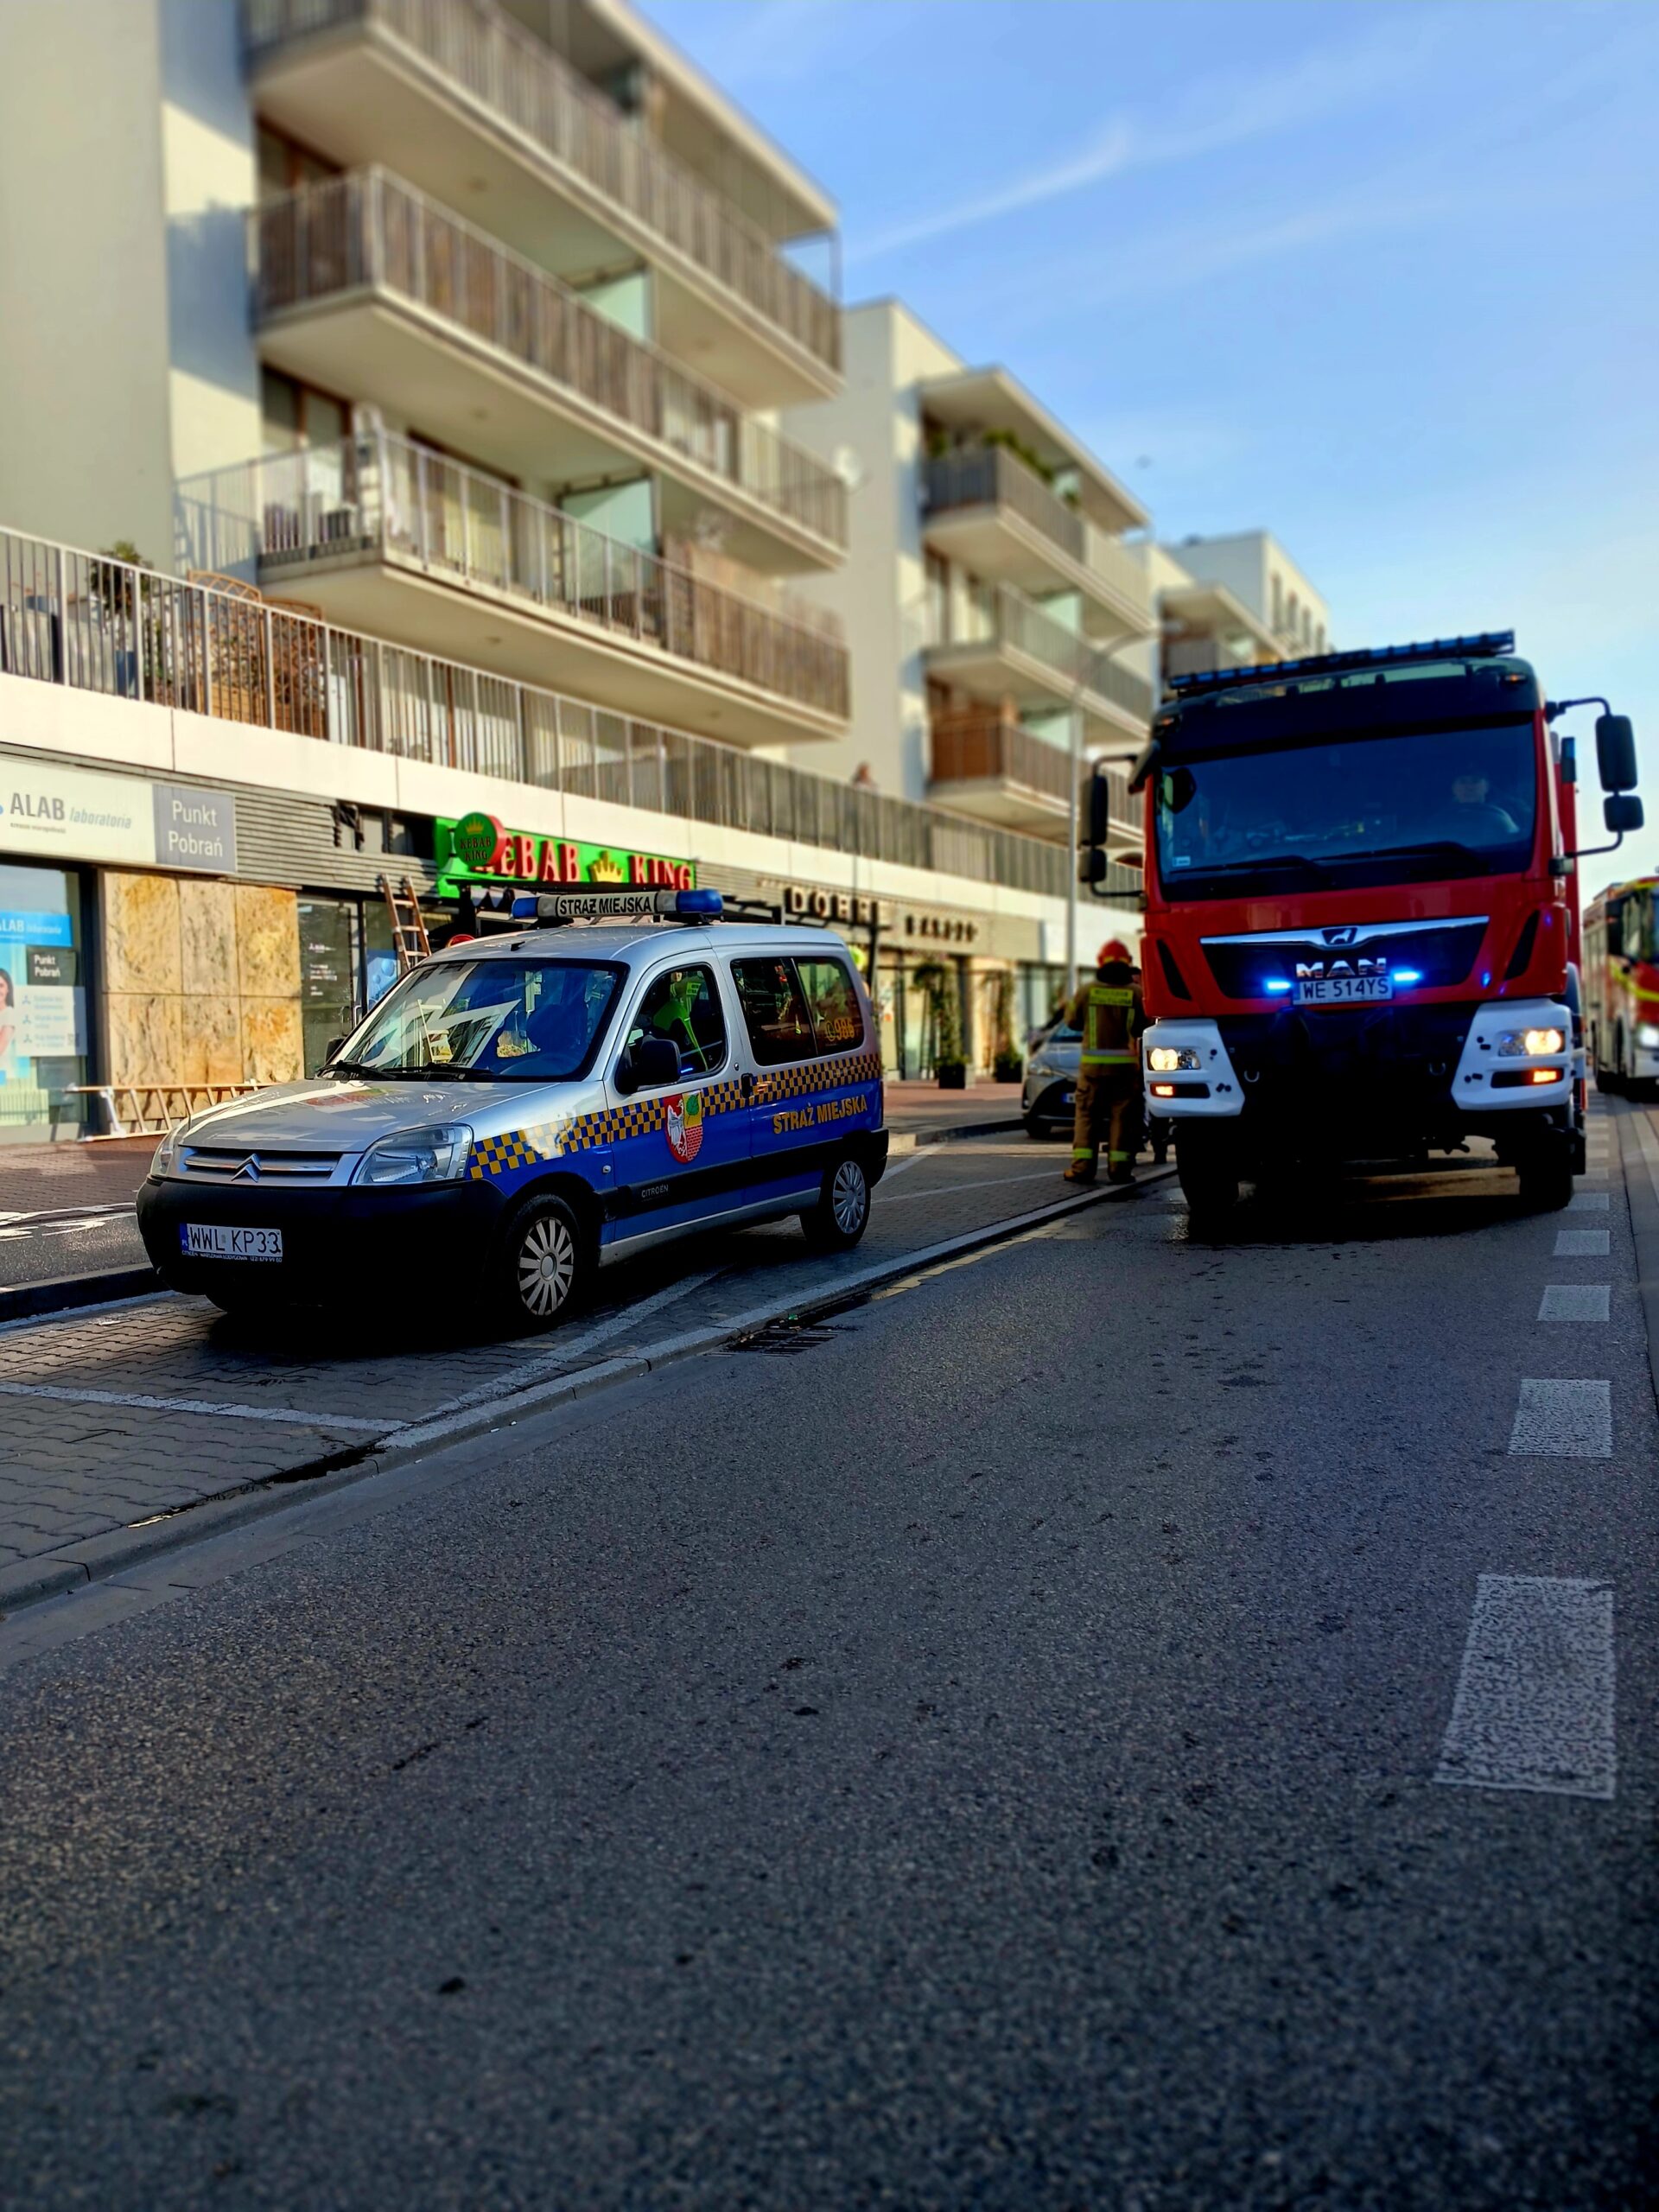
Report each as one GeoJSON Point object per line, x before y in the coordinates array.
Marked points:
{"type": "Point", "coordinates": [843, 1213]}
{"type": "Point", "coordinates": [544, 1264]}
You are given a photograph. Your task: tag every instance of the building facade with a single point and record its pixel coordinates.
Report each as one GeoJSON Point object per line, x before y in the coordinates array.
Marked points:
{"type": "Point", "coordinates": [1235, 601]}
{"type": "Point", "coordinates": [407, 425]}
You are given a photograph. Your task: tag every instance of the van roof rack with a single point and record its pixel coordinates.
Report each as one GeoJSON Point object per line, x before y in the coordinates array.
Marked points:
{"type": "Point", "coordinates": [1481, 644]}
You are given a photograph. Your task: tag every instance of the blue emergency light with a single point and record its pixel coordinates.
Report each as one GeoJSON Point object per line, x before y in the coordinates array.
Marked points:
{"type": "Point", "coordinates": [1481, 644]}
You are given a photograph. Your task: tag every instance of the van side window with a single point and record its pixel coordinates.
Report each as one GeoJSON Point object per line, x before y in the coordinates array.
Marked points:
{"type": "Point", "coordinates": [780, 1027]}
{"type": "Point", "coordinates": [832, 1004]}
{"type": "Point", "coordinates": [683, 1006]}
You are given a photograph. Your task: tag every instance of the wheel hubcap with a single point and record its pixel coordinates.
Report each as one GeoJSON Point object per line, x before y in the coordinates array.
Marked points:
{"type": "Point", "coordinates": [547, 1265]}
{"type": "Point", "coordinates": [848, 1196]}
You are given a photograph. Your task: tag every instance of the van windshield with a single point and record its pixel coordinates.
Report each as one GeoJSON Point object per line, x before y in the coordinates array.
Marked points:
{"type": "Point", "coordinates": [508, 1020]}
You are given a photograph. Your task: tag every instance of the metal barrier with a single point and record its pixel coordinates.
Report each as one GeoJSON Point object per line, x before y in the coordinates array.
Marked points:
{"type": "Point", "coordinates": [96, 623]}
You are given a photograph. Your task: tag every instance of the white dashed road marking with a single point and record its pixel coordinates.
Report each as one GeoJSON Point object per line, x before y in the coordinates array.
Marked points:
{"type": "Point", "coordinates": [1534, 1708]}
{"type": "Point", "coordinates": [1587, 1202]}
{"type": "Point", "coordinates": [1563, 1421]}
{"type": "Point", "coordinates": [1575, 1301]}
{"type": "Point", "coordinates": [1583, 1244]}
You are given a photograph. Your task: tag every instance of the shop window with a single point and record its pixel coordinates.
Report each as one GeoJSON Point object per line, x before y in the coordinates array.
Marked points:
{"type": "Point", "coordinates": [683, 1006]}
{"type": "Point", "coordinates": [832, 1002]}
{"type": "Point", "coordinates": [42, 1004]}
{"type": "Point", "coordinates": [330, 959]}
{"type": "Point", "coordinates": [775, 1013]}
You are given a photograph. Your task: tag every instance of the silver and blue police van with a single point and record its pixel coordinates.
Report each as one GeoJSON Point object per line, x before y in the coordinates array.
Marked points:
{"type": "Point", "coordinates": [518, 1111]}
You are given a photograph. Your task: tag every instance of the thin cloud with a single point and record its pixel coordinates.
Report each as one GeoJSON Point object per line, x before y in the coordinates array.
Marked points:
{"type": "Point", "coordinates": [1220, 113]}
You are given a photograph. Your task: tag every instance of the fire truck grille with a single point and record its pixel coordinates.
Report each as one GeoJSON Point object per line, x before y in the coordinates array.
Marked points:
{"type": "Point", "coordinates": [1437, 955]}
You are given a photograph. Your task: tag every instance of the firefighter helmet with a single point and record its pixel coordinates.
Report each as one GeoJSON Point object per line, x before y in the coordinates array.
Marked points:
{"type": "Point", "coordinates": [1114, 949]}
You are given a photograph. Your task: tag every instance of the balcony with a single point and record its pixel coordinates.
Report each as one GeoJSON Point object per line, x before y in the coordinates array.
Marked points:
{"type": "Point", "coordinates": [988, 510]}
{"type": "Point", "coordinates": [387, 535]}
{"type": "Point", "coordinates": [985, 764]}
{"type": "Point", "coordinates": [364, 285]}
{"type": "Point", "coordinates": [85, 622]}
{"type": "Point", "coordinates": [1004, 648]}
{"type": "Point", "coordinates": [482, 114]}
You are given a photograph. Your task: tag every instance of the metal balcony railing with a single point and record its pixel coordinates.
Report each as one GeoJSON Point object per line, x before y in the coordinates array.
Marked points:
{"type": "Point", "coordinates": [975, 744]}
{"type": "Point", "coordinates": [77, 618]}
{"type": "Point", "coordinates": [383, 495]}
{"type": "Point", "coordinates": [998, 615]}
{"type": "Point", "coordinates": [488, 61]}
{"type": "Point", "coordinates": [369, 230]}
{"type": "Point", "coordinates": [981, 476]}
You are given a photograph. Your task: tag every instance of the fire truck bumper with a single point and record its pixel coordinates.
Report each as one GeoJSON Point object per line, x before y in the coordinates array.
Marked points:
{"type": "Point", "coordinates": [1434, 1071]}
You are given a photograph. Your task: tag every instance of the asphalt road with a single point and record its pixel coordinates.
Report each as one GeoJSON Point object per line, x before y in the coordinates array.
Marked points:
{"type": "Point", "coordinates": [982, 1752]}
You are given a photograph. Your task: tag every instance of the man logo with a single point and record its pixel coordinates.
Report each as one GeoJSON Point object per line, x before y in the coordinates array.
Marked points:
{"type": "Point", "coordinates": [683, 1122]}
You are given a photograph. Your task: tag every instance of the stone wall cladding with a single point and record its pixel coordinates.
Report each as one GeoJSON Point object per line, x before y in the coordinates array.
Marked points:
{"type": "Point", "coordinates": [201, 981]}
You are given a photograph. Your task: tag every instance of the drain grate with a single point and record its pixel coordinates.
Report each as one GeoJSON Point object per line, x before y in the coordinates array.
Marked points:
{"type": "Point", "coordinates": [786, 1336]}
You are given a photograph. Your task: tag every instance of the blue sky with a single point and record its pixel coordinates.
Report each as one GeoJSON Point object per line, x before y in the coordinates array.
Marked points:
{"type": "Point", "coordinates": [1382, 278]}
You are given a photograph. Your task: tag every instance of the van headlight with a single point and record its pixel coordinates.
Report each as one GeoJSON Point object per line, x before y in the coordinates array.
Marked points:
{"type": "Point", "coordinates": [1647, 1036]}
{"type": "Point", "coordinates": [1171, 1060]}
{"type": "Point", "coordinates": [1529, 1044]}
{"type": "Point", "coordinates": [167, 1151]}
{"type": "Point", "coordinates": [435, 1155]}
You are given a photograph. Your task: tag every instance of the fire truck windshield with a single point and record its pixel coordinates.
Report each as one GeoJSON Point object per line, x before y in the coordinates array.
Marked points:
{"type": "Point", "coordinates": [1362, 810]}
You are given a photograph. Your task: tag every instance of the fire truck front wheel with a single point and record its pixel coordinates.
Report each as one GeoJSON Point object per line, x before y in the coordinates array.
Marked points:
{"type": "Point", "coordinates": [1208, 1173]}
{"type": "Point", "coordinates": [1545, 1173]}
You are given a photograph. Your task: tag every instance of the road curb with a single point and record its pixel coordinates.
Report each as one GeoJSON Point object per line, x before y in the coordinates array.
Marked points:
{"type": "Point", "coordinates": [1639, 1169]}
{"type": "Point", "coordinates": [901, 1140]}
{"type": "Point", "coordinates": [63, 1293]}
{"type": "Point", "coordinates": [99, 1559]}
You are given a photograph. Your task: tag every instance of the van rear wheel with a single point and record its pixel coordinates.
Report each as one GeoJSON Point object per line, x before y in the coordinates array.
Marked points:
{"type": "Point", "coordinates": [843, 1213]}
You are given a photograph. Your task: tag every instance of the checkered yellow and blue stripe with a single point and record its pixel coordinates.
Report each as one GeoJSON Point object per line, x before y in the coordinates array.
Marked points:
{"type": "Point", "coordinates": [502, 1155]}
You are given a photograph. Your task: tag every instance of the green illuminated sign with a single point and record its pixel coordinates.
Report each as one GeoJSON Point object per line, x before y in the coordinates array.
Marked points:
{"type": "Point", "coordinates": [477, 849]}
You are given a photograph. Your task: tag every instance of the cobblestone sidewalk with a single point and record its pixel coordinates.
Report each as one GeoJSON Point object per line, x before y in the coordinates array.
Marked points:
{"type": "Point", "coordinates": [122, 1418]}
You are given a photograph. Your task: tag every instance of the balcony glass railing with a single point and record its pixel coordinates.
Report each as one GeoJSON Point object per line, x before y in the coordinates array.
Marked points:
{"type": "Point", "coordinates": [1000, 616]}
{"type": "Point", "coordinates": [487, 60]}
{"type": "Point", "coordinates": [983, 476]}
{"type": "Point", "coordinates": [368, 230]}
{"type": "Point", "coordinates": [382, 495]}
{"type": "Point", "coordinates": [96, 625]}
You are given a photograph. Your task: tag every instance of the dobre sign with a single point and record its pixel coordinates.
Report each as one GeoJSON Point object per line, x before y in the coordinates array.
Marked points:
{"type": "Point", "coordinates": [477, 849]}
{"type": "Point", "coordinates": [811, 902]}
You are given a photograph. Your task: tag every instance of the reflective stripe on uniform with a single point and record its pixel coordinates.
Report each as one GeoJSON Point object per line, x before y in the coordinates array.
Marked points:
{"type": "Point", "coordinates": [1109, 1060]}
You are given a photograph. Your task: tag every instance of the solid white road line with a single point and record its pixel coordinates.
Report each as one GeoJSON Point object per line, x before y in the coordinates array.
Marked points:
{"type": "Point", "coordinates": [1583, 1244]}
{"type": "Point", "coordinates": [1534, 1708]}
{"type": "Point", "coordinates": [1575, 1301]}
{"type": "Point", "coordinates": [995, 1182]}
{"type": "Point", "coordinates": [1588, 1202]}
{"type": "Point", "coordinates": [1563, 1421]}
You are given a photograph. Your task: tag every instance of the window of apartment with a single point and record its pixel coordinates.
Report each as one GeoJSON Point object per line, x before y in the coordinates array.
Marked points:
{"type": "Point", "coordinates": [294, 414]}
{"type": "Point", "coordinates": [1278, 604]}
{"type": "Point", "coordinates": [284, 163]}
{"type": "Point", "coordinates": [939, 600]}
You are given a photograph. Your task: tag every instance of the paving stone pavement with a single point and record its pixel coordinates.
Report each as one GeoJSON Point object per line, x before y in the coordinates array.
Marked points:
{"type": "Point", "coordinates": [113, 1419]}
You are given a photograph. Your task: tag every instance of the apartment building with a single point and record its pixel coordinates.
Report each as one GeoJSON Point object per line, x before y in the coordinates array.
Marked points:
{"type": "Point", "coordinates": [432, 357]}
{"type": "Point", "coordinates": [1233, 602]}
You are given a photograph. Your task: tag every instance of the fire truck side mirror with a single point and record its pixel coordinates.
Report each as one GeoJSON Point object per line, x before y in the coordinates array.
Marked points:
{"type": "Point", "coordinates": [1623, 812]}
{"type": "Point", "coordinates": [1100, 809]}
{"type": "Point", "coordinates": [1615, 753]}
{"type": "Point", "coordinates": [1093, 868]}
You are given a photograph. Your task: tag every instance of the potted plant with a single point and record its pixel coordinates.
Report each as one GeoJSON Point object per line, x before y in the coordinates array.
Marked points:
{"type": "Point", "coordinates": [944, 1025]}
{"type": "Point", "coordinates": [1006, 1065]}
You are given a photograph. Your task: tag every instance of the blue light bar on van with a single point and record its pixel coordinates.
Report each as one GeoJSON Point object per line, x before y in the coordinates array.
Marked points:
{"type": "Point", "coordinates": [1482, 645]}
{"type": "Point", "coordinates": [547, 908]}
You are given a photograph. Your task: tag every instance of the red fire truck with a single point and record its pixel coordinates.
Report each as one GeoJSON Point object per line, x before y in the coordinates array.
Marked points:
{"type": "Point", "coordinates": [1361, 938]}
{"type": "Point", "coordinates": [1621, 986]}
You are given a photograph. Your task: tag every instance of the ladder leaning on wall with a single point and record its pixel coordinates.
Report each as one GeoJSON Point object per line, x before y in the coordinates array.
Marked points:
{"type": "Point", "coordinates": [408, 938]}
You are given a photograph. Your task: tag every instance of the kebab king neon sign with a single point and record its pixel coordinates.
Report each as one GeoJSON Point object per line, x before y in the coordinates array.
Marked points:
{"type": "Point", "coordinates": [477, 846]}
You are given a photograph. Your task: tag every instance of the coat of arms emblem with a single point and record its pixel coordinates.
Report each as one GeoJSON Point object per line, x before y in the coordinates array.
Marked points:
{"type": "Point", "coordinates": [683, 1119]}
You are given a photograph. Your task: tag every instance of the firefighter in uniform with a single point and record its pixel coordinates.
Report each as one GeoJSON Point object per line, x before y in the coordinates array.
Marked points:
{"type": "Point", "coordinates": [1110, 1014]}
